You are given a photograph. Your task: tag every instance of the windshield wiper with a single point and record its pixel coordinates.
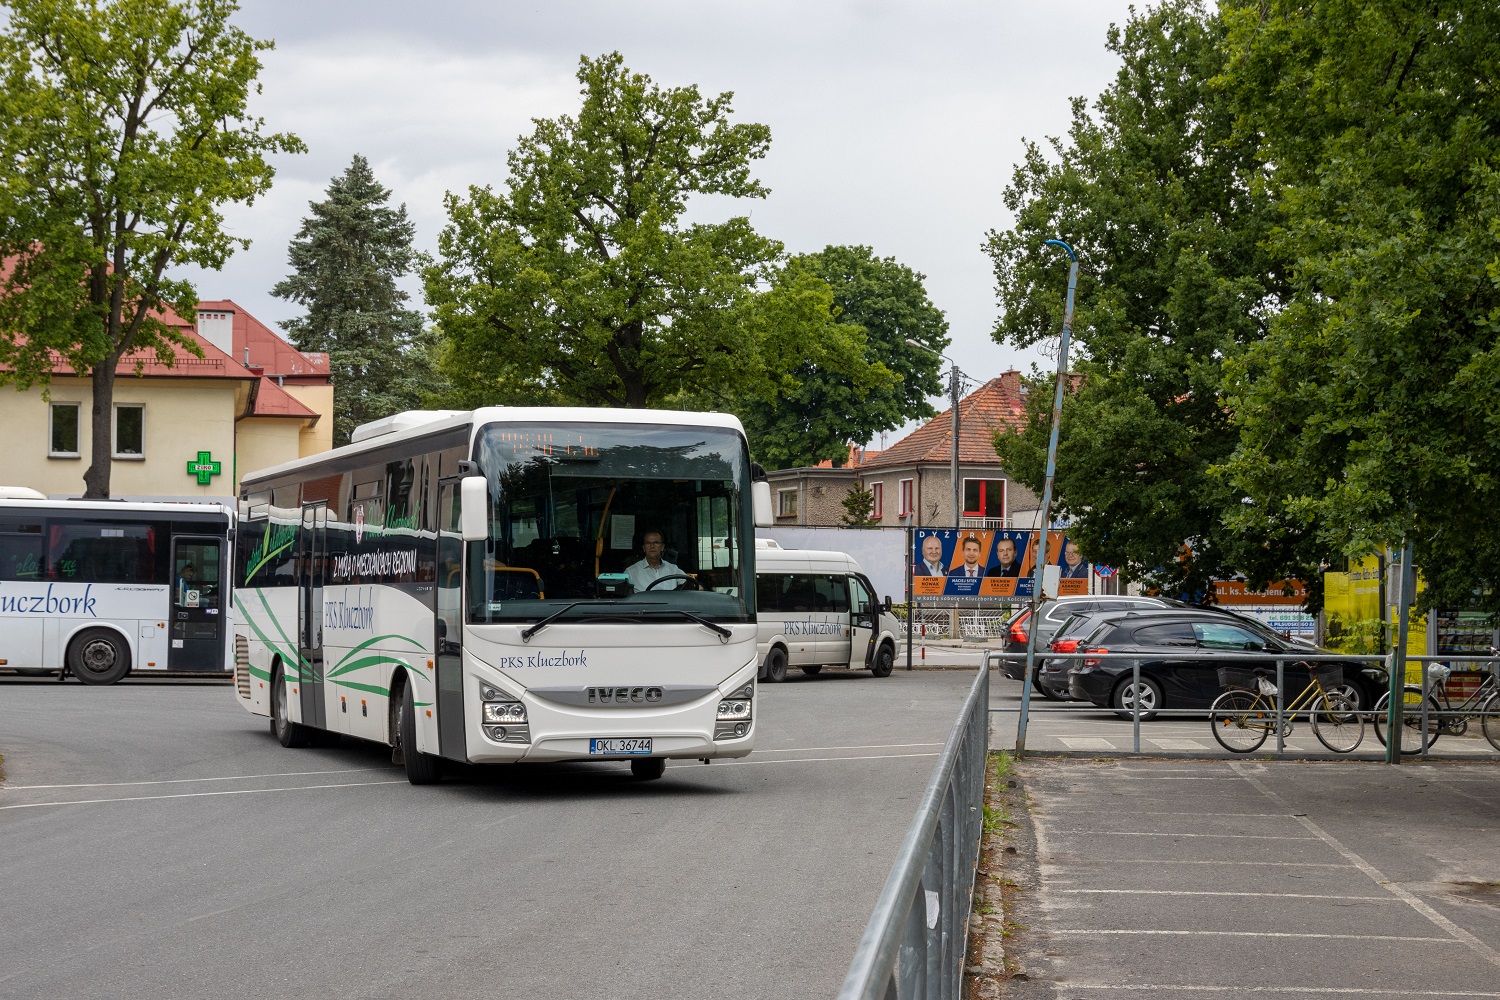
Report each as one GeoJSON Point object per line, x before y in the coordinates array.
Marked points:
{"type": "Point", "coordinates": [655, 607]}
{"type": "Point", "coordinates": [724, 634]}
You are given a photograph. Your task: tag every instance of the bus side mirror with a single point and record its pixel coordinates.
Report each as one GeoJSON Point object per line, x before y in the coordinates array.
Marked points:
{"type": "Point", "coordinates": [473, 520]}
{"type": "Point", "coordinates": [886, 607]}
{"type": "Point", "coordinates": [760, 495]}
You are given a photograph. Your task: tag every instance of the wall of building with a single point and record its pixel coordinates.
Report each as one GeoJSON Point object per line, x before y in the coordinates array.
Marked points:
{"type": "Point", "coordinates": [264, 442]}
{"type": "Point", "coordinates": [319, 399]}
{"type": "Point", "coordinates": [182, 418]}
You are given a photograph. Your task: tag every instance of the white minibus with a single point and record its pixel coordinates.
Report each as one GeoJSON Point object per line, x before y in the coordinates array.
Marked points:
{"type": "Point", "coordinates": [818, 609]}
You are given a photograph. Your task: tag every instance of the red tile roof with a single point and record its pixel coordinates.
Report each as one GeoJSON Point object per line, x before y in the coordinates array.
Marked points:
{"type": "Point", "coordinates": [268, 349]}
{"type": "Point", "coordinates": [214, 363]}
{"type": "Point", "coordinates": [999, 403]}
{"type": "Point", "coordinates": [273, 401]}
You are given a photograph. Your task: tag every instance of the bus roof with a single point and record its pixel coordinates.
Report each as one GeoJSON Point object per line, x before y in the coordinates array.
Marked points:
{"type": "Point", "coordinates": [119, 507]}
{"type": "Point", "coordinates": [410, 425]}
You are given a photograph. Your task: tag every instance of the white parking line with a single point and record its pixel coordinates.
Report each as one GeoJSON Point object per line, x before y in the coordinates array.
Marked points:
{"type": "Point", "coordinates": [199, 795]}
{"type": "Point", "coordinates": [179, 781]}
{"type": "Point", "coordinates": [1195, 815]}
{"type": "Point", "coordinates": [814, 760]}
{"type": "Point", "coordinates": [873, 746]}
{"type": "Point", "coordinates": [1460, 935]}
{"type": "Point", "coordinates": [1188, 892]}
{"type": "Point", "coordinates": [1257, 864]}
{"type": "Point", "coordinates": [1318, 990]}
{"type": "Point", "coordinates": [1154, 833]}
{"type": "Point", "coordinates": [1257, 934]}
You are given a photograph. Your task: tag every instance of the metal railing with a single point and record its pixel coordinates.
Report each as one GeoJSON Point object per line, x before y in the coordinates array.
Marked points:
{"type": "Point", "coordinates": [1384, 663]}
{"type": "Point", "coordinates": [917, 938]}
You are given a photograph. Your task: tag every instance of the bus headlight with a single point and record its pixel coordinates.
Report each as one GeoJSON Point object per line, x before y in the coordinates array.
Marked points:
{"type": "Point", "coordinates": [732, 710]}
{"type": "Point", "coordinates": [504, 712]}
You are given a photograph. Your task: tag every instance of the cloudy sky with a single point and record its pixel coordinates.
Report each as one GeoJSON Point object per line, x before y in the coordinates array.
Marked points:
{"type": "Point", "coordinates": [894, 123]}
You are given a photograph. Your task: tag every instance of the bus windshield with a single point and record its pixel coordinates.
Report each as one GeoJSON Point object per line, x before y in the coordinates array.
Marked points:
{"type": "Point", "coordinates": [621, 521]}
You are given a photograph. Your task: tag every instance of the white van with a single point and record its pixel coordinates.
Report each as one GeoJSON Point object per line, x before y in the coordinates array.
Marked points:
{"type": "Point", "coordinates": [816, 610]}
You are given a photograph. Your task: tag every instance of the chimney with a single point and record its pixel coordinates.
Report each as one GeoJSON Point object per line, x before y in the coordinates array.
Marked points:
{"type": "Point", "coordinates": [217, 327]}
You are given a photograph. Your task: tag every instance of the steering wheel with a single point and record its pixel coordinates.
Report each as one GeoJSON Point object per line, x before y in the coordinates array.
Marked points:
{"type": "Point", "coordinates": [689, 581]}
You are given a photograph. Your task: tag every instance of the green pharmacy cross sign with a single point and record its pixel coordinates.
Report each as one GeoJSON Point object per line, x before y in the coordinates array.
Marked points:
{"type": "Point", "coordinates": [204, 467]}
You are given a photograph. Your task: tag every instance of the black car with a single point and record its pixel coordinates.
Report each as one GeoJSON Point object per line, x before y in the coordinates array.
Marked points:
{"type": "Point", "coordinates": [1057, 611]}
{"type": "Point", "coordinates": [1168, 681]}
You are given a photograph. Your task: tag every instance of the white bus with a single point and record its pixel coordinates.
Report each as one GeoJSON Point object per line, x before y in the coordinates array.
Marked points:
{"type": "Point", "coordinates": [818, 609]}
{"type": "Point", "coordinates": [103, 588]}
{"type": "Point", "coordinates": [458, 585]}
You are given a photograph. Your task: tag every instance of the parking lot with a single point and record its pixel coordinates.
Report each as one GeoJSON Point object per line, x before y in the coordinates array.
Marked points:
{"type": "Point", "coordinates": [1210, 879]}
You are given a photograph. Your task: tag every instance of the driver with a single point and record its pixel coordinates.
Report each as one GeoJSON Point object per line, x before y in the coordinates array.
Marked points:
{"type": "Point", "coordinates": [653, 567]}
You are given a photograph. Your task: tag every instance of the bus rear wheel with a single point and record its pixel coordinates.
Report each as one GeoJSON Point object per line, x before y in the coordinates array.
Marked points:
{"type": "Point", "coordinates": [288, 733]}
{"type": "Point", "coordinates": [775, 665]}
{"type": "Point", "coordinates": [99, 656]}
{"type": "Point", "coordinates": [813, 669]}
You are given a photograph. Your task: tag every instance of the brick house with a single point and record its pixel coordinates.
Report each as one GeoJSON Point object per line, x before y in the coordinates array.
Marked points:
{"type": "Point", "coordinates": [912, 480]}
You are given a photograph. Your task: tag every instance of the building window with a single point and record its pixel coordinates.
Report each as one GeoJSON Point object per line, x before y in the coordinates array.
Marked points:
{"type": "Point", "coordinates": [984, 498]}
{"type": "Point", "coordinates": [877, 502]}
{"type": "Point", "coordinates": [62, 441]}
{"type": "Point", "coordinates": [908, 499]}
{"type": "Point", "coordinates": [130, 430]}
{"type": "Point", "coordinates": [786, 503]}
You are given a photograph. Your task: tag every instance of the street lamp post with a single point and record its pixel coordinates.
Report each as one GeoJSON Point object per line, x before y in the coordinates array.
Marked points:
{"type": "Point", "coordinates": [954, 386]}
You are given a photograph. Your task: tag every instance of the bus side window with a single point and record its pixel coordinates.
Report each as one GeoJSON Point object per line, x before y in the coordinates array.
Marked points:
{"type": "Point", "coordinates": [768, 593]}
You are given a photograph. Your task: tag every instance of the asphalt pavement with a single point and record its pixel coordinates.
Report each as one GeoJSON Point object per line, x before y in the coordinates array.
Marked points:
{"type": "Point", "coordinates": [160, 844]}
{"type": "Point", "coordinates": [1210, 879]}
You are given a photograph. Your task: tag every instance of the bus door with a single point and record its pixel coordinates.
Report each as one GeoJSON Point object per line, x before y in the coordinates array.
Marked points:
{"type": "Point", "coordinates": [450, 626]}
{"type": "Point", "coordinates": [862, 612]}
{"type": "Point", "coordinates": [197, 615]}
{"type": "Point", "coordinates": [312, 556]}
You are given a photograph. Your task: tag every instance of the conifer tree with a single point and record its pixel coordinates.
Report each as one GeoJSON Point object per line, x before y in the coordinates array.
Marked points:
{"type": "Point", "coordinates": [346, 260]}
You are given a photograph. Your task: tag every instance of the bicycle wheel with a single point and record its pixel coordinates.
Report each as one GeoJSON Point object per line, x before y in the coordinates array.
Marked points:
{"type": "Point", "coordinates": [1412, 736]}
{"type": "Point", "coordinates": [1336, 723]}
{"type": "Point", "coordinates": [1489, 720]}
{"type": "Point", "coordinates": [1240, 721]}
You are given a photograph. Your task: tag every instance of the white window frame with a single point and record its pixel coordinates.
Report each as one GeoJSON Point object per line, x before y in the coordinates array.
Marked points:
{"type": "Point", "coordinates": [115, 433]}
{"type": "Point", "coordinates": [877, 504]}
{"type": "Point", "coordinates": [781, 504]}
{"type": "Point", "coordinates": [908, 489]}
{"type": "Point", "coordinates": [77, 429]}
{"type": "Point", "coordinates": [1004, 496]}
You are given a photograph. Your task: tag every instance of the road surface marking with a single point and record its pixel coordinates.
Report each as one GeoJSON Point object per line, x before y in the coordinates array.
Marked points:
{"type": "Point", "coordinates": [1260, 934]}
{"type": "Point", "coordinates": [1155, 833]}
{"type": "Point", "coordinates": [1085, 743]}
{"type": "Point", "coordinates": [873, 746]}
{"type": "Point", "coordinates": [1189, 892]}
{"type": "Point", "coordinates": [811, 760]}
{"type": "Point", "coordinates": [199, 795]}
{"type": "Point", "coordinates": [178, 781]}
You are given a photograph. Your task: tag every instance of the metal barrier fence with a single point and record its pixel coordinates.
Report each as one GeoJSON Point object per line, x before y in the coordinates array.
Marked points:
{"type": "Point", "coordinates": [917, 938]}
{"type": "Point", "coordinates": [1395, 717]}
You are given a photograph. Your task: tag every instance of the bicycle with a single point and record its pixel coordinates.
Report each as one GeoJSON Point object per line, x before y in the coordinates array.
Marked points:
{"type": "Point", "coordinates": [1443, 717]}
{"type": "Point", "coordinates": [1245, 714]}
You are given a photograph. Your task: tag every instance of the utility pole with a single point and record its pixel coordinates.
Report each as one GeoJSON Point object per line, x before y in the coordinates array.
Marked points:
{"type": "Point", "coordinates": [1046, 511]}
{"type": "Point", "coordinates": [953, 467]}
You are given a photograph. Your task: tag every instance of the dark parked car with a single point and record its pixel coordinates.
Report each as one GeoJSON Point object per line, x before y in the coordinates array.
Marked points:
{"type": "Point", "coordinates": [1055, 612]}
{"type": "Point", "coordinates": [1168, 681]}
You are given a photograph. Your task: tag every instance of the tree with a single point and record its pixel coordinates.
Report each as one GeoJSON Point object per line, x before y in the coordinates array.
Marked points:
{"type": "Point", "coordinates": [1371, 412]}
{"type": "Point", "coordinates": [123, 131]}
{"type": "Point", "coordinates": [581, 283]}
{"type": "Point", "coordinates": [346, 260]}
{"type": "Point", "coordinates": [1155, 191]}
{"type": "Point", "coordinates": [859, 507]}
{"type": "Point", "coordinates": [828, 409]}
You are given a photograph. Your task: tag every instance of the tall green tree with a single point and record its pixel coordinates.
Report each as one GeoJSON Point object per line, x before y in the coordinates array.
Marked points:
{"type": "Point", "coordinates": [829, 407]}
{"type": "Point", "coordinates": [1370, 415]}
{"type": "Point", "coordinates": [346, 261]}
{"type": "Point", "coordinates": [124, 130]}
{"type": "Point", "coordinates": [1156, 191]}
{"type": "Point", "coordinates": [582, 282]}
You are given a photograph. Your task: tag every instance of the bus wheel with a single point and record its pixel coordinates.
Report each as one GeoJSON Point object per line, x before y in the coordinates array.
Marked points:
{"type": "Point", "coordinates": [776, 665]}
{"type": "Point", "coordinates": [813, 669]}
{"type": "Point", "coordinates": [648, 768]}
{"type": "Point", "coordinates": [421, 768]}
{"type": "Point", "coordinates": [99, 656]}
{"type": "Point", "coordinates": [885, 660]}
{"type": "Point", "coordinates": [288, 733]}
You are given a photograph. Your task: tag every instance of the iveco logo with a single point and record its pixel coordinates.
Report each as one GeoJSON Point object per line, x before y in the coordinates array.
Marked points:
{"type": "Point", "coordinates": [623, 695]}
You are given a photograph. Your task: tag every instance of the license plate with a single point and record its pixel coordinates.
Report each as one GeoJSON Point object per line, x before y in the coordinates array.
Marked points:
{"type": "Point", "coordinates": [613, 748]}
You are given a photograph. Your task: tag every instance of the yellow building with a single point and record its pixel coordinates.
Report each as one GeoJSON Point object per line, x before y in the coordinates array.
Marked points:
{"type": "Point", "coordinates": [187, 431]}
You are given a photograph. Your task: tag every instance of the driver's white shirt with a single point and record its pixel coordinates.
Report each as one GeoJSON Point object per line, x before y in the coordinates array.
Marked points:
{"type": "Point", "coordinates": [642, 574]}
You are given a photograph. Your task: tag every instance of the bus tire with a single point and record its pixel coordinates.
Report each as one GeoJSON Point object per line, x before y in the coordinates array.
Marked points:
{"type": "Point", "coordinates": [421, 768]}
{"type": "Point", "coordinates": [775, 665]}
{"type": "Point", "coordinates": [289, 734]}
{"type": "Point", "coordinates": [813, 669]}
{"type": "Point", "coordinates": [98, 656]}
{"type": "Point", "coordinates": [648, 768]}
{"type": "Point", "coordinates": [885, 661]}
